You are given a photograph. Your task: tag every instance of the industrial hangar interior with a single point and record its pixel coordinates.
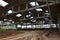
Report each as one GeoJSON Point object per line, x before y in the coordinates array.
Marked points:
{"type": "Point", "coordinates": [29, 19]}
{"type": "Point", "coordinates": [29, 14]}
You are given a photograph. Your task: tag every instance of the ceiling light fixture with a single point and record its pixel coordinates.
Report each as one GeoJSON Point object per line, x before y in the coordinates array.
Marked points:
{"type": "Point", "coordinates": [46, 11]}
{"type": "Point", "coordinates": [10, 20]}
{"type": "Point", "coordinates": [3, 3]}
{"type": "Point", "coordinates": [18, 25]}
{"type": "Point", "coordinates": [18, 15]}
{"type": "Point", "coordinates": [29, 12]}
{"type": "Point", "coordinates": [1, 21]}
{"type": "Point", "coordinates": [47, 14]}
{"type": "Point", "coordinates": [39, 9]}
{"type": "Point", "coordinates": [33, 20]}
{"type": "Point", "coordinates": [28, 15]}
{"type": "Point", "coordinates": [13, 22]}
{"type": "Point", "coordinates": [5, 19]}
{"type": "Point", "coordinates": [31, 17]}
{"type": "Point", "coordinates": [28, 23]}
{"type": "Point", "coordinates": [10, 11]}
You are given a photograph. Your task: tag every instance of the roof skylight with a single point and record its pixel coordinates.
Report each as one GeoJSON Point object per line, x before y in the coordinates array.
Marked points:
{"type": "Point", "coordinates": [3, 3]}
{"type": "Point", "coordinates": [34, 4]}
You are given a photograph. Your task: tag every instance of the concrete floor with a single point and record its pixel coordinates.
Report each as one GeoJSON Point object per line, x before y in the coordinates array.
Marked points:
{"type": "Point", "coordinates": [34, 35]}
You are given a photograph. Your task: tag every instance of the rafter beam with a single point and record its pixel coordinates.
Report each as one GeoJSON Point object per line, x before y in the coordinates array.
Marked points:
{"type": "Point", "coordinates": [34, 8]}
